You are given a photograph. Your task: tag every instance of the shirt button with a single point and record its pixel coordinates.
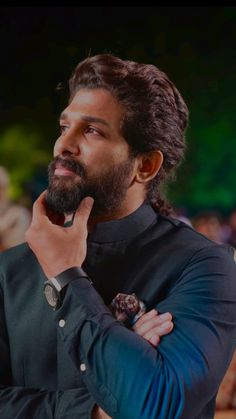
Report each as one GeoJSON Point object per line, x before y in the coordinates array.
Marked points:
{"type": "Point", "coordinates": [82, 367]}
{"type": "Point", "coordinates": [62, 323]}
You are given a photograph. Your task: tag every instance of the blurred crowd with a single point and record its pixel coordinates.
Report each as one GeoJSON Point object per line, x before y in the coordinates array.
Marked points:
{"type": "Point", "coordinates": [213, 225]}
{"type": "Point", "coordinates": [14, 217]}
{"type": "Point", "coordinates": [220, 230]}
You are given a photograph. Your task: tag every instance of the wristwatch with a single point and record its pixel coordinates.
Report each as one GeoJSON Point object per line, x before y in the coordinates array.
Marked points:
{"type": "Point", "coordinates": [55, 288]}
{"type": "Point", "coordinates": [127, 308]}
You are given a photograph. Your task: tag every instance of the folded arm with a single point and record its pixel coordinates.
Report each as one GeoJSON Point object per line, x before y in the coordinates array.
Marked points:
{"type": "Point", "coordinates": [126, 375]}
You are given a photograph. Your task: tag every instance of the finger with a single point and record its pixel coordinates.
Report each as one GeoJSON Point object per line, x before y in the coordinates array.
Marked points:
{"type": "Point", "coordinates": [149, 315]}
{"type": "Point", "coordinates": [153, 325]}
{"type": "Point", "coordinates": [162, 330]}
{"type": "Point", "coordinates": [150, 323]}
{"type": "Point", "coordinates": [83, 212]}
{"type": "Point", "coordinates": [154, 340]}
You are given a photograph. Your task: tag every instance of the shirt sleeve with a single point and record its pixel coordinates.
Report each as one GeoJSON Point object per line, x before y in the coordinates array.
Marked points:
{"type": "Point", "coordinates": [131, 379]}
{"type": "Point", "coordinates": [23, 403]}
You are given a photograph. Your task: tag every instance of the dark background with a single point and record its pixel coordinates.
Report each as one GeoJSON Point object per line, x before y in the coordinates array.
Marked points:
{"type": "Point", "coordinates": [195, 46]}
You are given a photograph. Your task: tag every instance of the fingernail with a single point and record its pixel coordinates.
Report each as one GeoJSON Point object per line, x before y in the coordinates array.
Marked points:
{"type": "Point", "coordinates": [88, 200]}
{"type": "Point", "coordinates": [152, 312]}
{"type": "Point", "coordinates": [165, 316]}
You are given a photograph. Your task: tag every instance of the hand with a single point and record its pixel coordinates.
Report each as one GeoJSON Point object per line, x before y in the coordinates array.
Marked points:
{"type": "Point", "coordinates": [98, 413]}
{"type": "Point", "coordinates": [58, 248]}
{"type": "Point", "coordinates": [153, 325]}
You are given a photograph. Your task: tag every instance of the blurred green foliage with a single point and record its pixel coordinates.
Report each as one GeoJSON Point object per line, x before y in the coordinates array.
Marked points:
{"type": "Point", "coordinates": [22, 154]}
{"type": "Point", "coordinates": [206, 179]}
{"type": "Point", "coordinates": [195, 46]}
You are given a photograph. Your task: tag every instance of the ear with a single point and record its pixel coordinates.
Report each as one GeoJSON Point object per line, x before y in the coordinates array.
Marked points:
{"type": "Point", "coordinates": [148, 166]}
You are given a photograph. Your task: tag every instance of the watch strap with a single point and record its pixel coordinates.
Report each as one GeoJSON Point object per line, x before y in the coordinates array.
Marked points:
{"type": "Point", "coordinates": [59, 285]}
{"type": "Point", "coordinates": [64, 278]}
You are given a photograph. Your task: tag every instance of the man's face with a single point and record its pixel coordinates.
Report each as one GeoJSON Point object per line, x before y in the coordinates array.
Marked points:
{"type": "Point", "coordinates": [91, 158]}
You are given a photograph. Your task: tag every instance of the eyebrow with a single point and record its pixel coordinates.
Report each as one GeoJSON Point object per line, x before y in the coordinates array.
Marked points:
{"type": "Point", "coordinates": [87, 118]}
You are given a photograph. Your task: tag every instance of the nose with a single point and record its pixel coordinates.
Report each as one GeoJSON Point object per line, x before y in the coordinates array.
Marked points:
{"type": "Point", "coordinates": [66, 144]}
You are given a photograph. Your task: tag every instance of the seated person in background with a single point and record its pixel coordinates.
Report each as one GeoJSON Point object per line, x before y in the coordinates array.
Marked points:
{"type": "Point", "coordinates": [14, 218]}
{"type": "Point", "coordinates": [209, 224]}
{"type": "Point", "coordinates": [226, 397]}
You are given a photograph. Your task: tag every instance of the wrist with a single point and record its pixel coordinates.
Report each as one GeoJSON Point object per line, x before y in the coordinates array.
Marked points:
{"type": "Point", "coordinates": [61, 268]}
{"type": "Point", "coordinates": [66, 276]}
{"type": "Point", "coordinates": [55, 287]}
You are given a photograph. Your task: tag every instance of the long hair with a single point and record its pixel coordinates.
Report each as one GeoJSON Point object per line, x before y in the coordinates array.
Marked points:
{"type": "Point", "coordinates": [155, 116]}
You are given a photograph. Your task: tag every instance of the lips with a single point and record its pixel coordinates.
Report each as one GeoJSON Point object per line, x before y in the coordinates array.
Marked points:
{"type": "Point", "coordinates": [64, 167]}
{"type": "Point", "coordinates": [62, 170]}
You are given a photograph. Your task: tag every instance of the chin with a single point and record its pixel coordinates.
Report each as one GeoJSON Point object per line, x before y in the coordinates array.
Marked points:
{"type": "Point", "coordinates": [63, 182]}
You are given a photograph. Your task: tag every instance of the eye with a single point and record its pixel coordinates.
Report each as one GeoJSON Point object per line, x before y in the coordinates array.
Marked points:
{"type": "Point", "coordinates": [93, 131]}
{"type": "Point", "coordinates": [63, 128]}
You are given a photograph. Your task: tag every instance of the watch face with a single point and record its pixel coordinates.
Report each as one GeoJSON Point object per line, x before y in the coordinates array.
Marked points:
{"type": "Point", "coordinates": [51, 295]}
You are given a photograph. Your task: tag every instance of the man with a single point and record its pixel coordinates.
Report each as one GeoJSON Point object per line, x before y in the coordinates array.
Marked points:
{"type": "Point", "coordinates": [65, 355]}
{"type": "Point", "coordinates": [14, 217]}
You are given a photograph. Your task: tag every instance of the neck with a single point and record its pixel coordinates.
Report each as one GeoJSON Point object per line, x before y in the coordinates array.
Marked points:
{"type": "Point", "coordinates": [127, 207]}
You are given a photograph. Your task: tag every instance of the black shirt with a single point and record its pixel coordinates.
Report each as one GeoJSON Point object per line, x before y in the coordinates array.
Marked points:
{"type": "Point", "coordinates": [58, 364]}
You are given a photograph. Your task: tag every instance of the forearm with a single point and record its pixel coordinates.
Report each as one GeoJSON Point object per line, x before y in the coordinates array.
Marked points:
{"type": "Point", "coordinates": [109, 356]}
{"type": "Point", "coordinates": [25, 403]}
{"type": "Point", "coordinates": [126, 375]}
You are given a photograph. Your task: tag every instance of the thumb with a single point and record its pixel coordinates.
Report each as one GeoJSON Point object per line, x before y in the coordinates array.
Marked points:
{"type": "Point", "coordinates": [83, 212]}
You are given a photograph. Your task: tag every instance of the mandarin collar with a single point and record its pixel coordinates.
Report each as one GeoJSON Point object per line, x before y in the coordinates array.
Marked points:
{"type": "Point", "coordinates": [125, 228]}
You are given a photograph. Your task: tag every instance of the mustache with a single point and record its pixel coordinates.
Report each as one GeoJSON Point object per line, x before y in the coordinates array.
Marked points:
{"type": "Point", "coordinates": [67, 163]}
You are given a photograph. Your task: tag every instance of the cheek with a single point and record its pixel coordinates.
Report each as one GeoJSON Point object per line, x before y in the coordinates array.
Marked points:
{"type": "Point", "coordinates": [97, 157]}
{"type": "Point", "coordinates": [55, 147]}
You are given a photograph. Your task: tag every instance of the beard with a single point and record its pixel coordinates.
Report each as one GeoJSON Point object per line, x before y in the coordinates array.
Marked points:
{"type": "Point", "coordinates": [107, 187]}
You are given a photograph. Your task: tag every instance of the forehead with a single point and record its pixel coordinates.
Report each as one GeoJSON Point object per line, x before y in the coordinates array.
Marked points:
{"type": "Point", "coordinates": [98, 103]}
